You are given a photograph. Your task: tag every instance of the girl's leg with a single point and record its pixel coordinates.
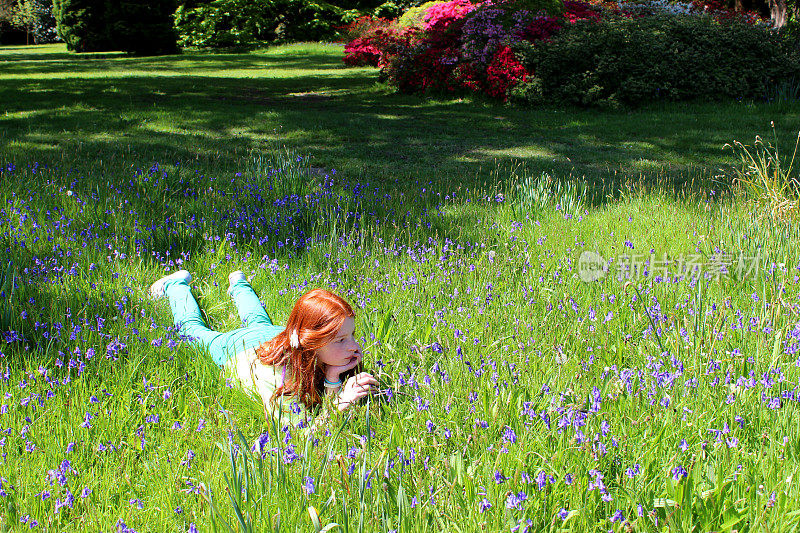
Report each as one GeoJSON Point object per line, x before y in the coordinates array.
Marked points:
{"type": "Point", "coordinates": [189, 321]}
{"type": "Point", "coordinates": [242, 339]}
{"type": "Point", "coordinates": [257, 325]}
{"type": "Point", "coordinates": [247, 303]}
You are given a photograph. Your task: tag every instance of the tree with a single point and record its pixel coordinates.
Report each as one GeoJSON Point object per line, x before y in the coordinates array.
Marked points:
{"type": "Point", "coordinates": [24, 17]}
{"type": "Point", "coordinates": [779, 11]}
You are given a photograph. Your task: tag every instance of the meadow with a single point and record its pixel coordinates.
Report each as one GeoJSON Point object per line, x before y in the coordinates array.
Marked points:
{"type": "Point", "coordinates": [516, 394]}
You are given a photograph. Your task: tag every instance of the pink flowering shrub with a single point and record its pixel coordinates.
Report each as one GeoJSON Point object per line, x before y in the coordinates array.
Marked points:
{"type": "Point", "coordinates": [362, 52]}
{"type": "Point", "coordinates": [439, 16]}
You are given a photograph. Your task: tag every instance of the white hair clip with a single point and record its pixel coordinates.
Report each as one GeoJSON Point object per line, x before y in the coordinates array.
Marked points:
{"type": "Point", "coordinates": [294, 340]}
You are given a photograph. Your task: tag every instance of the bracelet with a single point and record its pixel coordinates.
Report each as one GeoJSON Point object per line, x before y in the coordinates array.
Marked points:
{"type": "Point", "coordinates": [332, 384]}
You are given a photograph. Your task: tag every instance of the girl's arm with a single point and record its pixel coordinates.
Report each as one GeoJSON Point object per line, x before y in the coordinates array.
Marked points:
{"type": "Point", "coordinates": [355, 388]}
{"type": "Point", "coordinates": [343, 396]}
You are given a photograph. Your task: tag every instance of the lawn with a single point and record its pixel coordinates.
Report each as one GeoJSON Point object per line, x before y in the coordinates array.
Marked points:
{"type": "Point", "coordinates": [516, 395]}
{"type": "Point", "coordinates": [218, 108]}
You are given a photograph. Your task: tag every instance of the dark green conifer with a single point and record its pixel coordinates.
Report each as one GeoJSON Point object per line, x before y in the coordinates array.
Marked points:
{"type": "Point", "coordinates": [83, 24]}
{"type": "Point", "coordinates": [142, 27]}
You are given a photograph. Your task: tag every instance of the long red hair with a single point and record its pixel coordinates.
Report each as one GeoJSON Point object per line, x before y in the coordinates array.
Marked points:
{"type": "Point", "coordinates": [316, 318]}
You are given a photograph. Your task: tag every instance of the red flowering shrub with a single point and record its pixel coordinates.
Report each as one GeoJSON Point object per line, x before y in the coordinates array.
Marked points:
{"type": "Point", "coordinates": [540, 29]}
{"type": "Point", "coordinates": [503, 73]}
{"type": "Point", "coordinates": [466, 77]}
{"type": "Point", "coordinates": [362, 52]}
{"type": "Point", "coordinates": [433, 64]}
{"type": "Point", "coordinates": [426, 72]}
{"type": "Point", "coordinates": [576, 10]}
{"type": "Point", "coordinates": [377, 45]}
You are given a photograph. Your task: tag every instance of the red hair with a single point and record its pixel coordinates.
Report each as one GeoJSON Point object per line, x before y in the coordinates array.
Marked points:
{"type": "Point", "coordinates": [316, 318]}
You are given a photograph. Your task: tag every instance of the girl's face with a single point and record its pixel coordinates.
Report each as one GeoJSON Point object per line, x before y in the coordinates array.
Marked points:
{"type": "Point", "coordinates": [343, 349]}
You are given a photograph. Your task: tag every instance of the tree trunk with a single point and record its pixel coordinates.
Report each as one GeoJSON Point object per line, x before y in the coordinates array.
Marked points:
{"type": "Point", "coordinates": [777, 13]}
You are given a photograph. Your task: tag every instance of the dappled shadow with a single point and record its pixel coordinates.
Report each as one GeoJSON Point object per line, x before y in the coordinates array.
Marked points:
{"type": "Point", "coordinates": [222, 106]}
{"type": "Point", "coordinates": [110, 65]}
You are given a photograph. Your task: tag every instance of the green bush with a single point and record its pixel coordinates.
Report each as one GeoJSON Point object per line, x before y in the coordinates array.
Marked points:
{"type": "Point", "coordinates": [225, 23]}
{"type": "Point", "coordinates": [413, 17]}
{"type": "Point", "coordinates": [311, 20]}
{"type": "Point", "coordinates": [362, 6]}
{"type": "Point", "coordinates": [791, 31]}
{"type": "Point", "coordinates": [389, 10]}
{"type": "Point", "coordinates": [134, 26]}
{"type": "Point", "coordinates": [636, 60]}
{"type": "Point", "coordinates": [551, 7]}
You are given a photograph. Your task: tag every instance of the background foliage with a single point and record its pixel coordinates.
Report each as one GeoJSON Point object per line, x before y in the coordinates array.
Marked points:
{"type": "Point", "coordinates": [245, 23]}
{"type": "Point", "coordinates": [579, 53]}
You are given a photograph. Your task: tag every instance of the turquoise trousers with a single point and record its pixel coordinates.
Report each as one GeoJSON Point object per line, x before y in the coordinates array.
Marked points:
{"type": "Point", "coordinates": [257, 327]}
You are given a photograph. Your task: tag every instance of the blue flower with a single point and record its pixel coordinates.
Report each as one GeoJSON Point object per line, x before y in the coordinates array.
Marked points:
{"type": "Point", "coordinates": [678, 473]}
{"type": "Point", "coordinates": [308, 485]}
{"type": "Point", "coordinates": [515, 501]}
{"type": "Point", "coordinates": [509, 435]}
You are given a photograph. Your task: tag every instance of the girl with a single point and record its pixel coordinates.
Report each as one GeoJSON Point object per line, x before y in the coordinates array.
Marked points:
{"type": "Point", "coordinates": [290, 368]}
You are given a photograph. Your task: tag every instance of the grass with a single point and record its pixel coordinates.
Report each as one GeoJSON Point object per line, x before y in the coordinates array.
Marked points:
{"type": "Point", "coordinates": [217, 108]}
{"type": "Point", "coordinates": [769, 180]}
{"type": "Point", "coordinates": [515, 395]}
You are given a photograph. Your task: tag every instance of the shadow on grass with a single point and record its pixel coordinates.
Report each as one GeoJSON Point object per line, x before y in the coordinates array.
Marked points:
{"type": "Point", "coordinates": [220, 107]}
{"type": "Point", "coordinates": [111, 64]}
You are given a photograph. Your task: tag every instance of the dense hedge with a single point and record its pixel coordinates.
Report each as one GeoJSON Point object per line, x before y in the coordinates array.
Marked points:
{"type": "Point", "coordinates": [636, 60]}
{"type": "Point", "coordinates": [246, 23]}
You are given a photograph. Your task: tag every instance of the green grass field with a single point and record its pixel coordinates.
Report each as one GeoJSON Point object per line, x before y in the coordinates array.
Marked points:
{"type": "Point", "coordinates": [217, 108]}
{"type": "Point", "coordinates": [516, 395]}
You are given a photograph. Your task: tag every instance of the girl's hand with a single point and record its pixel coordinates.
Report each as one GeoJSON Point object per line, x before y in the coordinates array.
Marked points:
{"type": "Point", "coordinates": [356, 388]}
{"type": "Point", "coordinates": [332, 372]}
